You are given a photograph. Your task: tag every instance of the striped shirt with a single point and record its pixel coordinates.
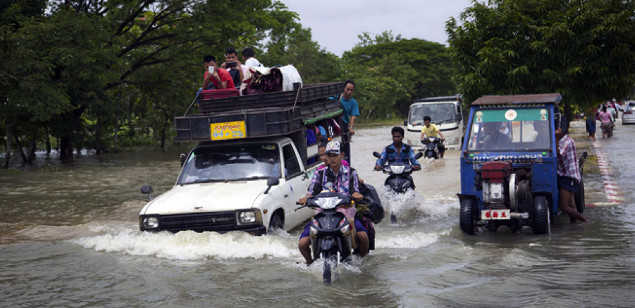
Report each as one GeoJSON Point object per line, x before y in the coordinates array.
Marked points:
{"type": "Point", "coordinates": [567, 159]}
{"type": "Point", "coordinates": [343, 182]}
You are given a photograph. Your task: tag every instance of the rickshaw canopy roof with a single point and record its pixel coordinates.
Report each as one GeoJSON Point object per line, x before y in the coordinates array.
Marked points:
{"type": "Point", "coordinates": [552, 98]}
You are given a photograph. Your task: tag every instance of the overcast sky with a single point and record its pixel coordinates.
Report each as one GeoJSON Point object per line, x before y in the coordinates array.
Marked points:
{"type": "Point", "coordinates": [335, 24]}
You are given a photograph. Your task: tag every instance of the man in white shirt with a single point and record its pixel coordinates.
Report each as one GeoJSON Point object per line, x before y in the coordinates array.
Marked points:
{"type": "Point", "coordinates": [249, 58]}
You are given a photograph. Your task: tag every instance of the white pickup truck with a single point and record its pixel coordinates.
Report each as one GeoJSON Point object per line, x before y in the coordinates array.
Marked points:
{"type": "Point", "coordinates": [251, 164]}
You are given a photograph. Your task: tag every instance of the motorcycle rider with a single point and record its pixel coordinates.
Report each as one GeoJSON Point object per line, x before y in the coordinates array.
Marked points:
{"type": "Point", "coordinates": [398, 151]}
{"type": "Point", "coordinates": [344, 180]}
{"type": "Point", "coordinates": [431, 130]}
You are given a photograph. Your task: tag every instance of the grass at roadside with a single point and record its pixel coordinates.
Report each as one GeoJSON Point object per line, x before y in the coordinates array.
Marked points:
{"type": "Point", "coordinates": [376, 123]}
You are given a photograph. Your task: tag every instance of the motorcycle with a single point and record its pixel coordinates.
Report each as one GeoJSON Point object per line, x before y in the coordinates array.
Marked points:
{"type": "Point", "coordinates": [431, 147]}
{"type": "Point", "coordinates": [331, 236]}
{"type": "Point", "coordinates": [330, 231]}
{"type": "Point", "coordinates": [399, 177]}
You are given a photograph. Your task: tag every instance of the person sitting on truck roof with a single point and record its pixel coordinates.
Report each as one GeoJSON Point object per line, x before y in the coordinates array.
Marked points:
{"type": "Point", "coordinates": [431, 130]}
{"type": "Point", "coordinates": [219, 77]}
{"type": "Point", "coordinates": [345, 180]}
{"type": "Point", "coordinates": [250, 58]}
{"type": "Point", "coordinates": [397, 151]}
{"type": "Point", "coordinates": [233, 66]}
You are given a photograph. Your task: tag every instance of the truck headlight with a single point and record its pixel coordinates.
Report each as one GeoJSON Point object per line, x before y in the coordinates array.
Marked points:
{"type": "Point", "coordinates": [249, 217]}
{"type": "Point", "coordinates": [151, 222]}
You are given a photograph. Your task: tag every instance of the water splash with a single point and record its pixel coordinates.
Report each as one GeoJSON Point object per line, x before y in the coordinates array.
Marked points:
{"type": "Point", "coordinates": [188, 245]}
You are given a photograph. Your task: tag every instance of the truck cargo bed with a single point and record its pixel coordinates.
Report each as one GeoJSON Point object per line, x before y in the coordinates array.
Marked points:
{"type": "Point", "coordinates": [263, 115]}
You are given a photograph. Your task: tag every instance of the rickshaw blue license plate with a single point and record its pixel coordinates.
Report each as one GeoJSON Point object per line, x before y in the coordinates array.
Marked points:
{"type": "Point", "coordinates": [495, 215]}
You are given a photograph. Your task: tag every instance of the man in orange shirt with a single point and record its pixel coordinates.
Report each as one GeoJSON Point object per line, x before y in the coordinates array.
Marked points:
{"type": "Point", "coordinates": [219, 77]}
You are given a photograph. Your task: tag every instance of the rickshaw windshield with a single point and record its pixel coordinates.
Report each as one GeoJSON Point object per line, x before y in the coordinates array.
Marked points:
{"type": "Point", "coordinates": [514, 129]}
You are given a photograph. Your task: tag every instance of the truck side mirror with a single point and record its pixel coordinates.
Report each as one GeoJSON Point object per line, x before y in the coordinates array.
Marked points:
{"type": "Point", "coordinates": [376, 154]}
{"type": "Point", "coordinates": [271, 182]}
{"type": "Point", "coordinates": [147, 190]}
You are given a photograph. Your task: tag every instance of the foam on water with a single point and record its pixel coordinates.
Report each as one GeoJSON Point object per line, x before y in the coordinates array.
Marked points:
{"type": "Point", "coordinates": [411, 205]}
{"type": "Point", "coordinates": [409, 239]}
{"type": "Point", "coordinates": [189, 245]}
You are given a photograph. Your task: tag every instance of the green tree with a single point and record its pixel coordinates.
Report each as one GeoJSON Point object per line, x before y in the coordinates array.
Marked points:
{"type": "Point", "coordinates": [74, 69]}
{"type": "Point", "coordinates": [391, 71]}
{"type": "Point", "coordinates": [582, 49]}
{"type": "Point", "coordinates": [295, 46]}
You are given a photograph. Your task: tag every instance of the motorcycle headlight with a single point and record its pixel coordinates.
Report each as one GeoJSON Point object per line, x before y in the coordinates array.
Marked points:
{"type": "Point", "coordinates": [397, 169]}
{"type": "Point", "coordinates": [151, 222]}
{"type": "Point", "coordinates": [328, 203]}
{"type": "Point", "coordinates": [248, 217]}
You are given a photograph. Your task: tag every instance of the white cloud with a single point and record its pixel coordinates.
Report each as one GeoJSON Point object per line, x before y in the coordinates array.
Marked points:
{"type": "Point", "coordinates": [336, 24]}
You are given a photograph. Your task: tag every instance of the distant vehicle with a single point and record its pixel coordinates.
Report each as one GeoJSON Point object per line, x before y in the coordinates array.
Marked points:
{"type": "Point", "coordinates": [509, 164]}
{"type": "Point", "coordinates": [432, 147]}
{"type": "Point", "coordinates": [628, 116]}
{"type": "Point", "coordinates": [445, 112]}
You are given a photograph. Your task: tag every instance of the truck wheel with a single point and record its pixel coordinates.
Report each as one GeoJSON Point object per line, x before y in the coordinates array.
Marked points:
{"type": "Point", "coordinates": [466, 218]}
{"type": "Point", "coordinates": [275, 222]}
{"type": "Point", "coordinates": [579, 198]}
{"type": "Point", "coordinates": [541, 219]}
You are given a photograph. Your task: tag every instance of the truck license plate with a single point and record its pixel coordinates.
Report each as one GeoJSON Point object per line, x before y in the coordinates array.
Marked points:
{"type": "Point", "coordinates": [495, 215]}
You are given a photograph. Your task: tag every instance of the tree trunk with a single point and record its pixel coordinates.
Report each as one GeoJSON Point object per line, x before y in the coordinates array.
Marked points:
{"type": "Point", "coordinates": [99, 148]}
{"type": "Point", "coordinates": [48, 144]}
{"type": "Point", "coordinates": [7, 156]}
{"type": "Point", "coordinates": [31, 150]}
{"type": "Point", "coordinates": [19, 148]}
{"type": "Point", "coordinates": [66, 148]}
{"type": "Point", "coordinates": [163, 129]}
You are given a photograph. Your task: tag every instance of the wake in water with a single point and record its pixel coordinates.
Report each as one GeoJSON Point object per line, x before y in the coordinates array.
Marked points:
{"type": "Point", "coordinates": [190, 245]}
{"type": "Point", "coordinates": [411, 206]}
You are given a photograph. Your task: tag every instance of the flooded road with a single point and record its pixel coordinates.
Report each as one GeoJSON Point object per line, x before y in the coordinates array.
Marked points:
{"type": "Point", "coordinates": [69, 237]}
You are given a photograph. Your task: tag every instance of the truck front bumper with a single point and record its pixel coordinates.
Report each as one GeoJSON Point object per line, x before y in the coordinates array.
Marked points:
{"type": "Point", "coordinates": [200, 222]}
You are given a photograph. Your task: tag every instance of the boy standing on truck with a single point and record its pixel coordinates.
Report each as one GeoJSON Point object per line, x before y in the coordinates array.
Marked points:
{"type": "Point", "coordinates": [431, 130]}
{"type": "Point", "coordinates": [351, 112]}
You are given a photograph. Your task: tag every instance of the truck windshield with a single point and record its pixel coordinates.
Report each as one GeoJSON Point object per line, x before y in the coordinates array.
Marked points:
{"type": "Point", "coordinates": [526, 129]}
{"type": "Point", "coordinates": [231, 163]}
{"type": "Point", "coordinates": [440, 113]}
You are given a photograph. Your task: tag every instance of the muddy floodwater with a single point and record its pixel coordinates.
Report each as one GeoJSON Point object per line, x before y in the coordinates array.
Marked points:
{"type": "Point", "coordinates": [69, 237]}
